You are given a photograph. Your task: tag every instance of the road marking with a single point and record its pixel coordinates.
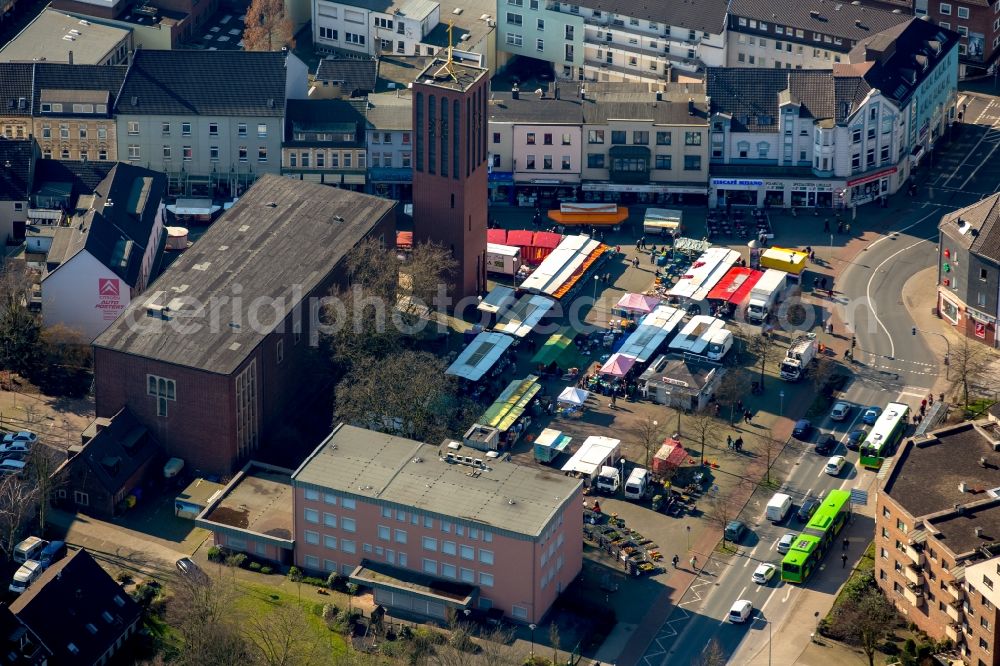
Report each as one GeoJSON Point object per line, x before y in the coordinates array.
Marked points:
{"type": "Point", "coordinates": [749, 558]}
{"type": "Point", "coordinates": [868, 287]}
{"type": "Point", "coordinates": [788, 594]}
{"type": "Point", "coordinates": [969, 154]}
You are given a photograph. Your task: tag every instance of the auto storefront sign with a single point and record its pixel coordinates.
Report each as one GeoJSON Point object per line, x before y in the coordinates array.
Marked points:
{"type": "Point", "coordinates": [736, 183]}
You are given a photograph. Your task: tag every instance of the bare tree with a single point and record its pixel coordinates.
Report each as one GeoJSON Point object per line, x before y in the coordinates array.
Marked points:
{"type": "Point", "coordinates": [43, 467]}
{"type": "Point", "coordinates": [554, 640]}
{"type": "Point", "coordinates": [283, 637]}
{"type": "Point", "coordinates": [650, 434]}
{"type": "Point", "coordinates": [722, 509]}
{"type": "Point", "coordinates": [427, 272]}
{"type": "Point", "coordinates": [770, 448]}
{"type": "Point", "coordinates": [969, 361]}
{"type": "Point", "coordinates": [762, 346]}
{"type": "Point", "coordinates": [733, 387]}
{"type": "Point", "coordinates": [65, 364]}
{"type": "Point", "coordinates": [18, 505]}
{"type": "Point", "coordinates": [201, 611]}
{"type": "Point", "coordinates": [19, 326]}
{"type": "Point", "coordinates": [865, 619]}
{"type": "Point", "coordinates": [705, 427]}
{"type": "Point", "coordinates": [712, 656]}
{"type": "Point", "coordinates": [268, 27]}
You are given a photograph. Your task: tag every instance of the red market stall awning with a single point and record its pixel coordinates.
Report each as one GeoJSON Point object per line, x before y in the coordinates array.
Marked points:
{"type": "Point", "coordinates": [546, 239]}
{"type": "Point", "coordinates": [639, 303]}
{"type": "Point", "coordinates": [735, 285]}
{"type": "Point", "coordinates": [670, 456]}
{"type": "Point", "coordinates": [617, 365]}
{"type": "Point", "coordinates": [498, 236]}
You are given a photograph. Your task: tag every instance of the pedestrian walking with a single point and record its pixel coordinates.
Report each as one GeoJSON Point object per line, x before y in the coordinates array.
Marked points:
{"type": "Point", "coordinates": [826, 225]}
{"type": "Point", "coordinates": [840, 227]}
{"type": "Point", "coordinates": [808, 249]}
{"type": "Point", "coordinates": [729, 441]}
{"type": "Point", "coordinates": [675, 560]}
{"type": "Point", "coordinates": [738, 443]}
{"type": "Point", "coordinates": [812, 256]}
{"type": "Point", "coordinates": [652, 257]}
{"type": "Point", "coordinates": [843, 559]}
{"type": "Point", "coordinates": [694, 563]}
{"type": "Point", "coordinates": [739, 405]}
{"type": "Point", "coordinates": [847, 543]}
{"type": "Point", "coordinates": [642, 242]}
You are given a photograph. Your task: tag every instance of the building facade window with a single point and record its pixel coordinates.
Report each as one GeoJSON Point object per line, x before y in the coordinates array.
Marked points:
{"type": "Point", "coordinates": [163, 390]}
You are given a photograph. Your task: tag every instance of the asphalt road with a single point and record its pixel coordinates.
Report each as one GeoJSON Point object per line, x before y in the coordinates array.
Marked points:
{"type": "Point", "coordinates": [892, 365]}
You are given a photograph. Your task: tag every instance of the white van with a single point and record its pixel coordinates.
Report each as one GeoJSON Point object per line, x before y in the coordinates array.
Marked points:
{"type": "Point", "coordinates": [635, 487]}
{"type": "Point", "coordinates": [25, 576]}
{"type": "Point", "coordinates": [778, 507]}
{"type": "Point", "coordinates": [29, 549]}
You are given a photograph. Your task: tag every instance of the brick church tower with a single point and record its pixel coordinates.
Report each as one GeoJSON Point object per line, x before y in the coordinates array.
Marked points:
{"type": "Point", "coordinates": [450, 116]}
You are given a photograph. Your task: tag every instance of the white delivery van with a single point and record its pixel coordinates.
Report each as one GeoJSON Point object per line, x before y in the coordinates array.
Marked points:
{"type": "Point", "coordinates": [638, 480]}
{"type": "Point", "coordinates": [778, 507]}
{"type": "Point", "coordinates": [719, 343]}
{"type": "Point", "coordinates": [29, 549]}
{"type": "Point", "coordinates": [25, 576]}
{"type": "Point", "coordinates": [765, 294]}
{"type": "Point", "coordinates": [608, 480]}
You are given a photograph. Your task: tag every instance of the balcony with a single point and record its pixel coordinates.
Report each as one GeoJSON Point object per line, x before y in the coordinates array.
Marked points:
{"type": "Point", "coordinates": [913, 574]}
{"type": "Point", "coordinates": [954, 611]}
{"type": "Point", "coordinates": [661, 50]}
{"type": "Point", "coordinates": [952, 632]}
{"type": "Point", "coordinates": [914, 594]}
{"type": "Point", "coordinates": [956, 592]}
{"type": "Point", "coordinates": [594, 65]}
{"type": "Point", "coordinates": [916, 556]}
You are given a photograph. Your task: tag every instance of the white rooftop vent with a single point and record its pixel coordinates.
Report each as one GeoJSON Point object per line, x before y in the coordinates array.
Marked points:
{"type": "Point", "coordinates": [485, 17]}
{"type": "Point", "coordinates": [84, 22]}
{"type": "Point", "coordinates": [69, 38]}
{"type": "Point", "coordinates": [963, 487]}
{"type": "Point", "coordinates": [457, 11]}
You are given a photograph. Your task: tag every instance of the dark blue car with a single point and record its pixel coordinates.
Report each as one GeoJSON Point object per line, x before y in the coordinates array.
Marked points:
{"type": "Point", "coordinates": [871, 415]}
{"type": "Point", "coordinates": [854, 439]}
{"type": "Point", "coordinates": [802, 429]}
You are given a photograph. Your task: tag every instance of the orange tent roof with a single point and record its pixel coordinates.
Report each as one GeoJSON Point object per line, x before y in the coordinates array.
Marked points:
{"type": "Point", "coordinates": [600, 219]}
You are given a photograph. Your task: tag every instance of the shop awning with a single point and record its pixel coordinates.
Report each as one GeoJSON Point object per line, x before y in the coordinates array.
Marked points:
{"type": "Point", "coordinates": [735, 285]}
{"type": "Point", "coordinates": [617, 365]}
{"type": "Point", "coordinates": [511, 403]}
{"type": "Point", "coordinates": [480, 356]}
{"type": "Point", "coordinates": [637, 303]}
{"type": "Point", "coordinates": [554, 346]}
{"type": "Point", "coordinates": [404, 239]}
{"type": "Point", "coordinates": [589, 214]}
{"type": "Point", "coordinates": [520, 318]}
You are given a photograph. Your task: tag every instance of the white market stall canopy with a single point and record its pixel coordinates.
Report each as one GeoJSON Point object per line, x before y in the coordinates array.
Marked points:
{"type": "Point", "coordinates": [501, 297]}
{"type": "Point", "coordinates": [651, 333]}
{"type": "Point", "coordinates": [573, 396]}
{"type": "Point", "coordinates": [520, 318]}
{"type": "Point", "coordinates": [593, 453]}
{"type": "Point", "coordinates": [562, 265]}
{"type": "Point", "coordinates": [480, 356]}
{"type": "Point", "coordinates": [200, 207]}
{"type": "Point", "coordinates": [705, 273]}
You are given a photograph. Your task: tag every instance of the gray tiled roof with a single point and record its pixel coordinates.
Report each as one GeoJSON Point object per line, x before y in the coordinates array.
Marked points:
{"type": "Point", "coordinates": [355, 75]}
{"type": "Point", "coordinates": [16, 179]}
{"type": "Point", "coordinates": [117, 452]}
{"type": "Point", "coordinates": [390, 110]}
{"type": "Point", "coordinates": [15, 85]}
{"type": "Point", "coordinates": [65, 77]}
{"type": "Point", "coordinates": [115, 235]}
{"type": "Point", "coordinates": [703, 15]}
{"type": "Point", "coordinates": [222, 83]}
{"type": "Point", "coordinates": [981, 224]}
{"type": "Point", "coordinates": [838, 18]}
{"type": "Point", "coordinates": [278, 243]}
{"type": "Point", "coordinates": [375, 466]}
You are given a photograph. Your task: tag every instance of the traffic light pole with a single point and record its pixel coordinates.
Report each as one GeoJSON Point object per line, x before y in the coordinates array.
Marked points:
{"type": "Point", "coordinates": [947, 343]}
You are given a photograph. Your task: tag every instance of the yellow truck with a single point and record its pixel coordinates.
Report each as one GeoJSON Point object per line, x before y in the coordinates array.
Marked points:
{"type": "Point", "coordinates": [784, 259]}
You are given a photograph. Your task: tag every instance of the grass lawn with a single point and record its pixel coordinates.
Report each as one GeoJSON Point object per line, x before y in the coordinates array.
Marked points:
{"type": "Point", "coordinates": [977, 407]}
{"type": "Point", "coordinates": [259, 600]}
{"type": "Point", "coordinates": [865, 565]}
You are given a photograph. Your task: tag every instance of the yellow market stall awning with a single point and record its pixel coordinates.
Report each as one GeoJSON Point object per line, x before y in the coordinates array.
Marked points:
{"type": "Point", "coordinates": [511, 403]}
{"type": "Point", "coordinates": [556, 344]}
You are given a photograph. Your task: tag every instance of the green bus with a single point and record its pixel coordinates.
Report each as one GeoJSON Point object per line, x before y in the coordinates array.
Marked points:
{"type": "Point", "coordinates": [884, 435]}
{"type": "Point", "coordinates": [819, 534]}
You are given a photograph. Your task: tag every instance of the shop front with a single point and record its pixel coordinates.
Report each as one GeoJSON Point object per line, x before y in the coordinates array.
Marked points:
{"type": "Point", "coordinates": [392, 183]}
{"type": "Point", "coordinates": [775, 192]}
{"type": "Point", "coordinates": [544, 192]}
{"type": "Point", "coordinates": [728, 192]}
{"type": "Point", "coordinates": [691, 194]}
{"type": "Point", "coordinates": [501, 186]}
{"type": "Point", "coordinates": [870, 187]}
{"type": "Point", "coordinates": [811, 194]}
{"type": "Point", "coordinates": [980, 326]}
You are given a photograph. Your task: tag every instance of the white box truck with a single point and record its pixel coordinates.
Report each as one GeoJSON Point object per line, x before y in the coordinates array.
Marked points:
{"type": "Point", "coordinates": [765, 294]}
{"type": "Point", "coordinates": [798, 357]}
{"type": "Point", "coordinates": [608, 480]}
{"type": "Point", "coordinates": [638, 481]}
{"type": "Point", "coordinates": [502, 259]}
{"type": "Point", "coordinates": [662, 222]}
{"type": "Point", "coordinates": [778, 507]}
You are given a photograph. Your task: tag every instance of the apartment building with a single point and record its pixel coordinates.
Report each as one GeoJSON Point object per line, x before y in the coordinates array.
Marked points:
{"type": "Point", "coordinates": [326, 142]}
{"type": "Point", "coordinates": [612, 40]}
{"type": "Point", "coordinates": [15, 99]}
{"type": "Point", "coordinates": [835, 137]}
{"type": "Point", "coordinates": [17, 183]}
{"type": "Point", "coordinates": [978, 23]}
{"type": "Point", "coordinates": [803, 34]}
{"type": "Point", "coordinates": [55, 36]}
{"type": "Point", "coordinates": [969, 270]}
{"type": "Point", "coordinates": [193, 116]}
{"type": "Point", "coordinates": [936, 539]}
{"type": "Point", "coordinates": [212, 360]}
{"type": "Point", "coordinates": [390, 144]}
{"type": "Point", "coordinates": [431, 533]}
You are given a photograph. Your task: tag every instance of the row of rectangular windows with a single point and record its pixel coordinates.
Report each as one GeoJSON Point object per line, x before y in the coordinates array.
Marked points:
{"type": "Point", "coordinates": [133, 128]}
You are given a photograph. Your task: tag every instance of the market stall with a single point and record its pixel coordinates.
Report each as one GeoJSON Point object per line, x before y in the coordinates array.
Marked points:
{"type": "Point", "coordinates": [617, 365]}
{"type": "Point", "coordinates": [632, 305]}
{"type": "Point", "coordinates": [734, 288]}
{"type": "Point", "coordinates": [561, 270]}
{"type": "Point", "coordinates": [508, 412]}
{"type": "Point", "coordinates": [669, 457]}
{"type": "Point", "coordinates": [480, 357]}
{"type": "Point", "coordinates": [694, 285]}
{"type": "Point", "coordinates": [654, 329]}
{"type": "Point", "coordinates": [589, 214]}
{"type": "Point", "coordinates": [785, 259]}
{"type": "Point", "coordinates": [555, 347]}
{"type": "Point", "coordinates": [499, 299]}
{"type": "Point", "coordinates": [572, 400]}
{"type": "Point", "coordinates": [549, 444]}
{"type": "Point", "coordinates": [522, 316]}
{"type": "Point", "coordinates": [594, 453]}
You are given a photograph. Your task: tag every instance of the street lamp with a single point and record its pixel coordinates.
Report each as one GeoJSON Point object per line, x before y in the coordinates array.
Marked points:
{"type": "Point", "coordinates": [781, 397]}
{"type": "Point", "coordinates": [947, 343]}
{"type": "Point", "coordinates": [532, 627]}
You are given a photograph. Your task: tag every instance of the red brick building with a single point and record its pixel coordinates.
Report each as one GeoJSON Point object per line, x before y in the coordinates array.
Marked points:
{"type": "Point", "coordinates": [978, 21]}
{"type": "Point", "coordinates": [450, 121]}
{"type": "Point", "coordinates": [220, 350]}
{"type": "Point", "coordinates": [937, 539]}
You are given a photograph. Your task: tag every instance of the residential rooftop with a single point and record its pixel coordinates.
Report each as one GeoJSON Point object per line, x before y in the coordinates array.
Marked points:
{"type": "Point", "coordinates": [840, 18]}
{"type": "Point", "coordinates": [353, 75]}
{"type": "Point", "coordinates": [17, 161]}
{"type": "Point", "coordinates": [977, 229]}
{"type": "Point", "coordinates": [702, 15]}
{"type": "Point", "coordinates": [970, 529]}
{"type": "Point", "coordinates": [399, 71]}
{"type": "Point", "coordinates": [928, 472]}
{"type": "Point", "coordinates": [416, 10]}
{"type": "Point", "coordinates": [392, 110]}
{"type": "Point", "coordinates": [453, 76]}
{"type": "Point", "coordinates": [258, 499]}
{"type": "Point", "coordinates": [470, 26]}
{"type": "Point", "coordinates": [52, 36]}
{"type": "Point", "coordinates": [375, 466]}
{"type": "Point", "coordinates": [281, 241]}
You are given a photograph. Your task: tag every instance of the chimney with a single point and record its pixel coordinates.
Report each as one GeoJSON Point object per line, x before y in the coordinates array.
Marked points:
{"type": "Point", "coordinates": [70, 57]}
{"type": "Point", "coordinates": [982, 461]}
{"type": "Point", "coordinates": [515, 93]}
{"type": "Point", "coordinates": [963, 487]}
{"type": "Point", "coordinates": [583, 93]}
{"type": "Point", "coordinates": [659, 95]}
{"type": "Point", "coordinates": [691, 106]}
{"type": "Point", "coordinates": [979, 532]}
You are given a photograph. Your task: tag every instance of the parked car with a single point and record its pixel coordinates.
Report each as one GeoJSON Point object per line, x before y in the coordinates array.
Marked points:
{"type": "Point", "coordinates": [854, 439]}
{"type": "Point", "coordinates": [763, 573]}
{"type": "Point", "coordinates": [735, 531]}
{"type": "Point", "coordinates": [740, 612]}
{"type": "Point", "coordinates": [22, 436]}
{"type": "Point", "coordinates": [834, 465]}
{"type": "Point", "coordinates": [52, 553]}
{"type": "Point", "coordinates": [12, 466]}
{"type": "Point", "coordinates": [14, 447]}
{"type": "Point", "coordinates": [786, 541]}
{"type": "Point", "coordinates": [827, 445]}
{"type": "Point", "coordinates": [808, 508]}
{"type": "Point", "coordinates": [840, 411]}
{"type": "Point", "coordinates": [870, 415]}
{"type": "Point", "coordinates": [187, 567]}
{"type": "Point", "coordinates": [802, 429]}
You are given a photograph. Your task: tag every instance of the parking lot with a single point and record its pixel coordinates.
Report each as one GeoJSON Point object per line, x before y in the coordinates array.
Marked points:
{"type": "Point", "coordinates": [223, 31]}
